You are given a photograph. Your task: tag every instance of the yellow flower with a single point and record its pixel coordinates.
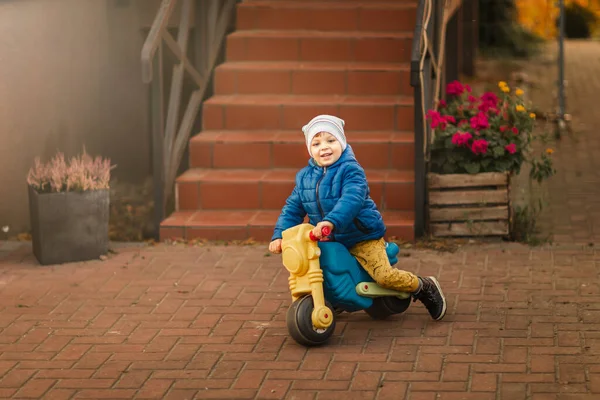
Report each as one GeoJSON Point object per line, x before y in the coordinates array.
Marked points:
{"type": "Point", "coordinates": [549, 151]}
{"type": "Point", "coordinates": [501, 84]}
{"type": "Point", "coordinates": [505, 89]}
{"type": "Point", "coordinates": [520, 108]}
{"type": "Point", "coordinates": [532, 115]}
{"type": "Point", "coordinates": [519, 92]}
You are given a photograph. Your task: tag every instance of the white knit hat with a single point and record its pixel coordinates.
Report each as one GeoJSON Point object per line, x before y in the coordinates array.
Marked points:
{"type": "Point", "coordinates": [324, 123]}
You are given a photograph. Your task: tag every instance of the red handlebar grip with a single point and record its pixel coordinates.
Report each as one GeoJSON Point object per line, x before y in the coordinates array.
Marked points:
{"type": "Point", "coordinates": [325, 231]}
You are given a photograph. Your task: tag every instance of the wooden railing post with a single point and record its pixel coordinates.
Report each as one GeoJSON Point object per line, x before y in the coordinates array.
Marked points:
{"type": "Point", "coordinates": [419, 126]}
{"type": "Point", "coordinates": [470, 36]}
{"type": "Point", "coordinates": [175, 96]}
{"type": "Point", "coordinates": [157, 123]}
{"type": "Point", "coordinates": [169, 138]}
{"type": "Point", "coordinates": [451, 52]}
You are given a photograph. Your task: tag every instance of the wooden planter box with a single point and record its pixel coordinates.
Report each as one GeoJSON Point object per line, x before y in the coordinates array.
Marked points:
{"type": "Point", "coordinates": [469, 205]}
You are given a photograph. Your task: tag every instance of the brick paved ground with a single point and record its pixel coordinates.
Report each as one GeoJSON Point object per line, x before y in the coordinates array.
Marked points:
{"type": "Point", "coordinates": [179, 322]}
{"type": "Point", "coordinates": [174, 322]}
{"type": "Point", "coordinates": [573, 215]}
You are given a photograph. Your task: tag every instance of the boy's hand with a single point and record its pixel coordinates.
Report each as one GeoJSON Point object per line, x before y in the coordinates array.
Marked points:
{"type": "Point", "coordinates": [275, 246]}
{"type": "Point", "coordinates": [317, 229]}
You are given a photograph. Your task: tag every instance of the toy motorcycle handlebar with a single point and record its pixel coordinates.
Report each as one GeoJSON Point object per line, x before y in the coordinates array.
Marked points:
{"type": "Point", "coordinates": [325, 231]}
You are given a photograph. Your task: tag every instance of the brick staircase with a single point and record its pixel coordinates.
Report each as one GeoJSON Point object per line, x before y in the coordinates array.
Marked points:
{"type": "Point", "coordinates": [286, 62]}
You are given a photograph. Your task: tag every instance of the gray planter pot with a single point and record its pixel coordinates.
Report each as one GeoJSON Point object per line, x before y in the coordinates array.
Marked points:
{"type": "Point", "coordinates": [69, 226]}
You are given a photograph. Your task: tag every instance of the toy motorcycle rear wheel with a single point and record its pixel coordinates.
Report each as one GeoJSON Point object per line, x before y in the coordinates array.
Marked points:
{"type": "Point", "coordinates": [300, 326]}
{"type": "Point", "coordinates": [384, 307]}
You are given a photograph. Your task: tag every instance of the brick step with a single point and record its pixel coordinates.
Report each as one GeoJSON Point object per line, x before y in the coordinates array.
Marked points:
{"type": "Point", "coordinates": [244, 189]}
{"type": "Point", "coordinates": [327, 16]}
{"type": "Point", "coordinates": [264, 77]}
{"type": "Point", "coordinates": [241, 225]}
{"type": "Point", "coordinates": [309, 45]}
{"type": "Point", "coordinates": [286, 149]}
{"type": "Point", "coordinates": [275, 112]}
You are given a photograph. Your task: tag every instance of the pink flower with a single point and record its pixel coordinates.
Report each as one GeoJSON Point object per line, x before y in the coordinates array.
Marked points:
{"type": "Point", "coordinates": [503, 128]}
{"type": "Point", "coordinates": [479, 146]}
{"type": "Point", "coordinates": [515, 130]}
{"type": "Point", "coordinates": [468, 88]}
{"type": "Point", "coordinates": [456, 139]}
{"type": "Point", "coordinates": [436, 119]}
{"type": "Point", "coordinates": [461, 139]}
{"type": "Point", "coordinates": [490, 97]}
{"type": "Point", "coordinates": [489, 101]}
{"type": "Point", "coordinates": [450, 118]}
{"type": "Point", "coordinates": [485, 107]}
{"type": "Point", "coordinates": [472, 99]}
{"type": "Point", "coordinates": [442, 103]}
{"type": "Point", "coordinates": [439, 120]}
{"type": "Point", "coordinates": [455, 88]}
{"type": "Point", "coordinates": [511, 148]}
{"type": "Point", "coordinates": [480, 121]}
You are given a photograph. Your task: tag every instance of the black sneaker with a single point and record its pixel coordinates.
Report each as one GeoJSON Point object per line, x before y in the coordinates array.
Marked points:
{"type": "Point", "coordinates": [432, 297]}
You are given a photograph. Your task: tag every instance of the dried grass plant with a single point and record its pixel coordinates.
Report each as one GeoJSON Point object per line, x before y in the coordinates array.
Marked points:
{"type": "Point", "coordinates": [82, 173]}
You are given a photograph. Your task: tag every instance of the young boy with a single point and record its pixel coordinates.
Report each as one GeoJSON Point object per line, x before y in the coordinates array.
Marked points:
{"type": "Point", "coordinates": [333, 191]}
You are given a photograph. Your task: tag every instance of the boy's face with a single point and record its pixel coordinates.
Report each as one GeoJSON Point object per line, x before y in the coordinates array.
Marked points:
{"type": "Point", "coordinates": [325, 149]}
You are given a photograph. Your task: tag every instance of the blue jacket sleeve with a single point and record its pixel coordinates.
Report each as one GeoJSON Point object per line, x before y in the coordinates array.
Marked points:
{"type": "Point", "coordinates": [354, 192]}
{"type": "Point", "coordinates": [292, 214]}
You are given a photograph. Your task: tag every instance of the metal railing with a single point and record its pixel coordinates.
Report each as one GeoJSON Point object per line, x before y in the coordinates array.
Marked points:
{"type": "Point", "coordinates": [434, 61]}
{"type": "Point", "coordinates": [171, 134]}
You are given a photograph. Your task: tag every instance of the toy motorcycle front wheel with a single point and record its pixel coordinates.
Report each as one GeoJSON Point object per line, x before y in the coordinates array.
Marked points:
{"type": "Point", "coordinates": [300, 326]}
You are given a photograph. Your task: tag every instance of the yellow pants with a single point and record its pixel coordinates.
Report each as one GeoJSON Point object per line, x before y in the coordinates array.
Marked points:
{"type": "Point", "coordinates": [373, 258]}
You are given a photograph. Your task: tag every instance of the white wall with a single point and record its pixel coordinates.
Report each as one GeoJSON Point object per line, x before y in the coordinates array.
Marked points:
{"type": "Point", "coordinates": [70, 76]}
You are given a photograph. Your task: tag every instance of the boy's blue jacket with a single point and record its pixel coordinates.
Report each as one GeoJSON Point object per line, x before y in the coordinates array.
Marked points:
{"type": "Point", "coordinates": [338, 194]}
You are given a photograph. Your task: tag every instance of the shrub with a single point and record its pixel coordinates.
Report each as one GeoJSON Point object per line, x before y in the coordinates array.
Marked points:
{"type": "Point", "coordinates": [499, 33]}
{"type": "Point", "coordinates": [578, 21]}
{"type": "Point", "coordinates": [487, 133]}
{"type": "Point", "coordinates": [81, 173]}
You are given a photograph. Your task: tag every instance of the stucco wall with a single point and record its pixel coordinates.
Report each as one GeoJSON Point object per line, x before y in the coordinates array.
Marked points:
{"type": "Point", "coordinates": [69, 76]}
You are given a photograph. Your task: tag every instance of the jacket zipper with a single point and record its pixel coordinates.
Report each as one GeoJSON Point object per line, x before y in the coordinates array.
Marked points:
{"type": "Point", "coordinates": [319, 202]}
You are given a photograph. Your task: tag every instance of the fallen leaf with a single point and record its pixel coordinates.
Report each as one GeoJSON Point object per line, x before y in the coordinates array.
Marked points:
{"type": "Point", "coordinates": [24, 237]}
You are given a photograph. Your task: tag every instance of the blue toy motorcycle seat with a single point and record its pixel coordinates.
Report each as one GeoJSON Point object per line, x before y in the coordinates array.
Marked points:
{"type": "Point", "coordinates": [341, 274]}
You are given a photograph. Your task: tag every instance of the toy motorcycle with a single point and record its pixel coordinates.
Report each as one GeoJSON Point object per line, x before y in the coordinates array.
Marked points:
{"type": "Point", "coordinates": [326, 279]}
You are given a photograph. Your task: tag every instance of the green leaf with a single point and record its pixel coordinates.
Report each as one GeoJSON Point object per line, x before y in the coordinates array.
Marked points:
{"type": "Point", "coordinates": [454, 157]}
{"type": "Point", "coordinates": [502, 165]}
{"type": "Point", "coordinates": [472, 168]}
{"type": "Point", "coordinates": [498, 151]}
{"type": "Point", "coordinates": [448, 169]}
